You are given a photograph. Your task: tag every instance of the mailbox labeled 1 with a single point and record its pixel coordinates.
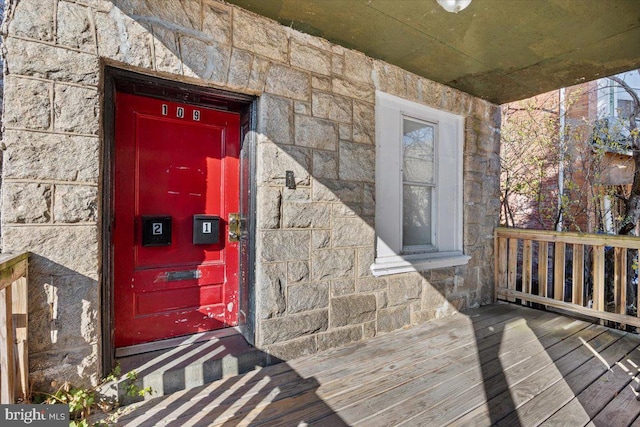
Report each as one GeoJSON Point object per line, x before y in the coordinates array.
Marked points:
{"type": "Point", "coordinates": [156, 231]}
{"type": "Point", "coordinates": [206, 229]}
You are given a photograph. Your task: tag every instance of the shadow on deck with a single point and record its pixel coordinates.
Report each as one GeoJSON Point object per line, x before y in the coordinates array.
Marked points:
{"type": "Point", "coordinates": [500, 364]}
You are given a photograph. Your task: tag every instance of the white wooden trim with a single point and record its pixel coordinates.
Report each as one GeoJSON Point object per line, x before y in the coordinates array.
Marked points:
{"type": "Point", "coordinates": [396, 265]}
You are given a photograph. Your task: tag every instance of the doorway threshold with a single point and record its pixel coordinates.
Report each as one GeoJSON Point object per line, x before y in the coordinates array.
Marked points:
{"type": "Point", "coordinates": [176, 342]}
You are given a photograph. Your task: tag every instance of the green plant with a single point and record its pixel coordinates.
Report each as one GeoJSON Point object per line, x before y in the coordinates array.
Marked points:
{"type": "Point", "coordinates": [82, 401]}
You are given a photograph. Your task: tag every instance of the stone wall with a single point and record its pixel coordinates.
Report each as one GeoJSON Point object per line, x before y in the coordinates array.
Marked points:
{"type": "Point", "coordinates": [315, 243]}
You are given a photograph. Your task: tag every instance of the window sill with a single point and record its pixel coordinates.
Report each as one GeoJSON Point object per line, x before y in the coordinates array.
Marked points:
{"type": "Point", "coordinates": [406, 264]}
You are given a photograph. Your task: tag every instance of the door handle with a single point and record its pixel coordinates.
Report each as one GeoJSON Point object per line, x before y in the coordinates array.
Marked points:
{"type": "Point", "coordinates": [234, 227]}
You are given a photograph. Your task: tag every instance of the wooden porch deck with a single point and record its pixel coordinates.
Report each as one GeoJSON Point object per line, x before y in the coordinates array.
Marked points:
{"type": "Point", "coordinates": [500, 364]}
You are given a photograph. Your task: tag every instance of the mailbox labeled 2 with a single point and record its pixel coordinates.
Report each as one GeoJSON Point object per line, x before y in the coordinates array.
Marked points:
{"type": "Point", "coordinates": [156, 231]}
{"type": "Point", "coordinates": [206, 229]}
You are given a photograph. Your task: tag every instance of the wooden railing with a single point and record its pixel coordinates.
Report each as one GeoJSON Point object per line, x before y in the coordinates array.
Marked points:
{"type": "Point", "coordinates": [14, 368]}
{"type": "Point", "coordinates": [589, 274]}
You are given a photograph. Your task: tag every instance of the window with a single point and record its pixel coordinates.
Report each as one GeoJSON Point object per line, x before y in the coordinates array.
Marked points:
{"type": "Point", "coordinates": [418, 187]}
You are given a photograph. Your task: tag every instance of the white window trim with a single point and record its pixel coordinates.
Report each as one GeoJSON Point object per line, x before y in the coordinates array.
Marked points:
{"type": "Point", "coordinates": [448, 242]}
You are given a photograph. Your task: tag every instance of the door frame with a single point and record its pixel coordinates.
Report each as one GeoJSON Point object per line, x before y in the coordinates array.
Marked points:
{"type": "Point", "coordinates": [139, 82]}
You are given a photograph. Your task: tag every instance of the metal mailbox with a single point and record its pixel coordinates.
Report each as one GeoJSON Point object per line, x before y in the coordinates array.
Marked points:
{"type": "Point", "coordinates": [206, 229]}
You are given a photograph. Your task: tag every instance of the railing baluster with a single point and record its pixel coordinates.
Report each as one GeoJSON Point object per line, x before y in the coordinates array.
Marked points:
{"type": "Point", "coordinates": [502, 264]}
{"type": "Point", "coordinates": [558, 271]}
{"type": "Point", "coordinates": [543, 268]}
{"type": "Point", "coordinates": [513, 266]}
{"type": "Point", "coordinates": [598, 278]}
{"type": "Point", "coordinates": [578, 275]}
{"type": "Point", "coordinates": [526, 267]}
{"type": "Point", "coordinates": [620, 280]}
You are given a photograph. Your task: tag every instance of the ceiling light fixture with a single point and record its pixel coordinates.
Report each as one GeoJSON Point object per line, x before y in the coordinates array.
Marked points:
{"type": "Point", "coordinates": [454, 6]}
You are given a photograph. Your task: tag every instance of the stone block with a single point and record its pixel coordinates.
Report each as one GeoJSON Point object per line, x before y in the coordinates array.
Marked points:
{"type": "Point", "coordinates": [369, 329]}
{"type": "Point", "coordinates": [259, 35]}
{"type": "Point", "coordinates": [302, 107]}
{"type": "Point", "coordinates": [205, 61]}
{"type": "Point", "coordinates": [337, 64]}
{"type": "Point", "coordinates": [269, 205]}
{"type": "Point", "coordinates": [404, 288]}
{"type": "Point", "coordinates": [357, 162]}
{"type": "Point", "coordinates": [294, 326]}
{"type": "Point", "coordinates": [352, 309]}
{"type": "Point", "coordinates": [63, 311]}
{"type": "Point", "coordinates": [394, 318]}
{"type": "Point", "coordinates": [307, 296]}
{"type": "Point", "coordinates": [325, 164]}
{"type": "Point", "coordinates": [288, 82]}
{"type": "Point", "coordinates": [75, 109]}
{"type": "Point", "coordinates": [341, 287]}
{"type": "Point", "coordinates": [357, 66]}
{"type": "Point", "coordinates": [306, 215]}
{"type": "Point", "coordinates": [74, 27]}
{"type": "Point", "coordinates": [185, 14]}
{"type": "Point", "coordinates": [166, 50]}
{"type": "Point", "coordinates": [364, 129]}
{"type": "Point", "coordinates": [79, 366]}
{"type": "Point", "coordinates": [116, 26]}
{"type": "Point", "coordinates": [366, 257]}
{"type": "Point", "coordinates": [31, 155]}
{"type": "Point", "coordinates": [48, 62]}
{"type": "Point", "coordinates": [321, 83]}
{"type": "Point", "coordinates": [382, 300]}
{"type": "Point", "coordinates": [26, 203]}
{"type": "Point", "coordinates": [298, 271]}
{"type": "Point", "coordinates": [298, 194]}
{"type": "Point", "coordinates": [276, 119]}
{"type": "Point", "coordinates": [316, 133]}
{"type": "Point", "coordinates": [33, 19]}
{"type": "Point", "coordinates": [345, 132]}
{"type": "Point", "coordinates": [56, 247]}
{"type": "Point", "coordinates": [285, 245]}
{"type": "Point", "coordinates": [28, 103]}
{"type": "Point", "coordinates": [309, 58]}
{"type": "Point", "coordinates": [271, 284]}
{"type": "Point", "coordinates": [332, 107]}
{"type": "Point", "coordinates": [75, 203]}
{"type": "Point", "coordinates": [258, 76]}
{"type": "Point", "coordinates": [333, 264]}
{"type": "Point", "coordinates": [276, 160]}
{"type": "Point", "coordinates": [216, 21]}
{"type": "Point", "coordinates": [369, 200]}
{"type": "Point", "coordinates": [339, 337]}
{"type": "Point", "coordinates": [320, 239]}
{"type": "Point", "coordinates": [372, 284]}
{"type": "Point", "coordinates": [239, 69]}
{"type": "Point", "coordinates": [337, 191]}
{"type": "Point", "coordinates": [352, 231]}
{"type": "Point", "coordinates": [293, 349]}
{"type": "Point", "coordinates": [358, 90]}
{"type": "Point", "coordinates": [340, 210]}
{"type": "Point", "coordinates": [388, 78]}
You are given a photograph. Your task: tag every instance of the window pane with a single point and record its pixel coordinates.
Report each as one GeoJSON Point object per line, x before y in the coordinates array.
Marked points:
{"type": "Point", "coordinates": [416, 221]}
{"type": "Point", "coordinates": [417, 149]}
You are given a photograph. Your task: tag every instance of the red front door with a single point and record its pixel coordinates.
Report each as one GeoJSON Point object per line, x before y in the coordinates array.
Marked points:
{"type": "Point", "coordinates": [176, 183]}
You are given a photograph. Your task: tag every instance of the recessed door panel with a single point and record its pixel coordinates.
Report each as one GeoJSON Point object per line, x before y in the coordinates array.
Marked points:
{"type": "Point", "coordinates": [173, 162]}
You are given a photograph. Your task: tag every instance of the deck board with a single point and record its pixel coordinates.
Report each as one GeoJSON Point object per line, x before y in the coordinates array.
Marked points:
{"type": "Point", "coordinates": [501, 364]}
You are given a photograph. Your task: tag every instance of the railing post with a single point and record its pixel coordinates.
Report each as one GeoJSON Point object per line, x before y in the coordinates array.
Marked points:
{"type": "Point", "coordinates": [7, 361]}
{"type": "Point", "coordinates": [20, 323]}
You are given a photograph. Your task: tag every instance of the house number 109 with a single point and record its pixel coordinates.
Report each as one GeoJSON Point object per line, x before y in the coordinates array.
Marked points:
{"type": "Point", "coordinates": [180, 112]}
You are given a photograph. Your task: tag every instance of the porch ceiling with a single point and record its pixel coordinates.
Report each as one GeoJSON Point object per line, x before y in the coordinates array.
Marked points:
{"type": "Point", "coordinates": [499, 50]}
